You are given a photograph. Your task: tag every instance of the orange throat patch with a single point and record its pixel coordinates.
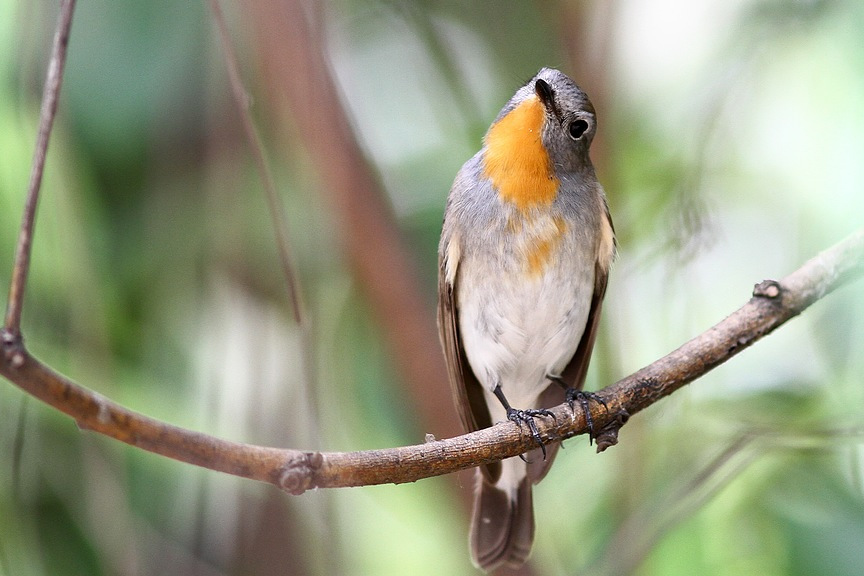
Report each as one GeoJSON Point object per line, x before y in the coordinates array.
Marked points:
{"type": "Point", "coordinates": [516, 162]}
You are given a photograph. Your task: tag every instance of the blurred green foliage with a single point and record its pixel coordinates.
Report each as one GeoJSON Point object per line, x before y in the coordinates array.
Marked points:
{"type": "Point", "coordinates": [731, 152]}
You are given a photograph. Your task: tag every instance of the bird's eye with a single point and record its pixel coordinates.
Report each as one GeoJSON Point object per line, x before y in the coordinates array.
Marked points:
{"type": "Point", "coordinates": [577, 128]}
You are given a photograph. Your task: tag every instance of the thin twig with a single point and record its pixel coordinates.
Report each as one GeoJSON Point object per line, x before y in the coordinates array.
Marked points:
{"type": "Point", "coordinates": [50, 96]}
{"type": "Point", "coordinates": [772, 304]}
{"type": "Point", "coordinates": [277, 212]}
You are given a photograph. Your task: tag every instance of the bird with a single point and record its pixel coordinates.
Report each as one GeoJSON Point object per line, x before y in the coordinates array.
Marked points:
{"type": "Point", "coordinates": [526, 247]}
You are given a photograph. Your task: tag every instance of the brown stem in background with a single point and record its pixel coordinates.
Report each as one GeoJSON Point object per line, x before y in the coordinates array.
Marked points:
{"type": "Point", "coordinates": [50, 97]}
{"type": "Point", "coordinates": [299, 83]}
{"type": "Point", "coordinates": [772, 304]}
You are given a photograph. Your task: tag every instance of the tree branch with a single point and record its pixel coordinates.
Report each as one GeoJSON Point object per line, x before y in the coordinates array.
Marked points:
{"type": "Point", "coordinates": [772, 304]}
{"type": "Point", "coordinates": [50, 96]}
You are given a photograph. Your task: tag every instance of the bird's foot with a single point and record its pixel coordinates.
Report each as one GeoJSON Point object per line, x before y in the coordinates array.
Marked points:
{"type": "Point", "coordinates": [583, 398]}
{"type": "Point", "coordinates": [527, 417]}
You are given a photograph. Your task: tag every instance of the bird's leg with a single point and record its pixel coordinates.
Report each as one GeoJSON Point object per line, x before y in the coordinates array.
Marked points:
{"type": "Point", "coordinates": [573, 395]}
{"type": "Point", "coordinates": [524, 416]}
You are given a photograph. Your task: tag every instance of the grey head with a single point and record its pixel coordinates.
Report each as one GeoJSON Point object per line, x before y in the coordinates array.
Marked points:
{"type": "Point", "coordinates": [570, 118]}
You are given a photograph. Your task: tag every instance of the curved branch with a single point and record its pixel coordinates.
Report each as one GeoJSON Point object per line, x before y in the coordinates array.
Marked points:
{"type": "Point", "coordinates": [294, 471]}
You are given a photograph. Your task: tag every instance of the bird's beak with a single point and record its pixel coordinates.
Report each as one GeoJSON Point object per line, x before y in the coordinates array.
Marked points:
{"type": "Point", "coordinates": [547, 96]}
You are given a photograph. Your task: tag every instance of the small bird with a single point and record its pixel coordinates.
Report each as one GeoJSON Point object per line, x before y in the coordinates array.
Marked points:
{"type": "Point", "coordinates": [524, 257]}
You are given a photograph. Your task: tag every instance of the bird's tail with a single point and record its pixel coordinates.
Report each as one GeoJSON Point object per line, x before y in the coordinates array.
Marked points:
{"type": "Point", "coordinates": [502, 523]}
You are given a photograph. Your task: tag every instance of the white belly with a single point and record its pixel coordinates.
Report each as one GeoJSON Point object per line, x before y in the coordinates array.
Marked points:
{"type": "Point", "coordinates": [518, 329]}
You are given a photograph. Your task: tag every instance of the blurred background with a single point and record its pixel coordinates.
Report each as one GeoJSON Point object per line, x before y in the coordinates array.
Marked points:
{"type": "Point", "coordinates": [730, 145]}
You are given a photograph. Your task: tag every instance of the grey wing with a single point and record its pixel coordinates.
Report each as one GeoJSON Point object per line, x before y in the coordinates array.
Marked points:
{"type": "Point", "coordinates": [467, 390]}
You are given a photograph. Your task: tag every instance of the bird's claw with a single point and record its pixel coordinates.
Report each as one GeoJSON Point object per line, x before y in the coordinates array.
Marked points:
{"type": "Point", "coordinates": [527, 417]}
{"type": "Point", "coordinates": [583, 398]}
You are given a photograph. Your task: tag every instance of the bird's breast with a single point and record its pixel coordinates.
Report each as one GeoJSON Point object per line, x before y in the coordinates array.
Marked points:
{"type": "Point", "coordinates": [536, 241]}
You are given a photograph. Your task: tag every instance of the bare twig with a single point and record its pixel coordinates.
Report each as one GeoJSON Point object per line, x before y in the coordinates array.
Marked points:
{"type": "Point", "coordinates": [280, 225]}
{"type": "Point", "coordinates": [50, 95]}
{"type": "Point", "coordinates": [772, 304]}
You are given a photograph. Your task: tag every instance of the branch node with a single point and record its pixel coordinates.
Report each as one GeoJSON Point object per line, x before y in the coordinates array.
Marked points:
{"type": "Point", "coordinates": [297, 474]}
{"type": "Point", "coordinates": [608, 435]}
{"type": "Point", "coordinates": [767, 289]}
{"type": "Point", "coordinates": [13, 348]}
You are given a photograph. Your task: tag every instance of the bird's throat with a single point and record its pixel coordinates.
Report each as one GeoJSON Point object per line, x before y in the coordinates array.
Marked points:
{"type": "Point", "coordinates": [516, 162]}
